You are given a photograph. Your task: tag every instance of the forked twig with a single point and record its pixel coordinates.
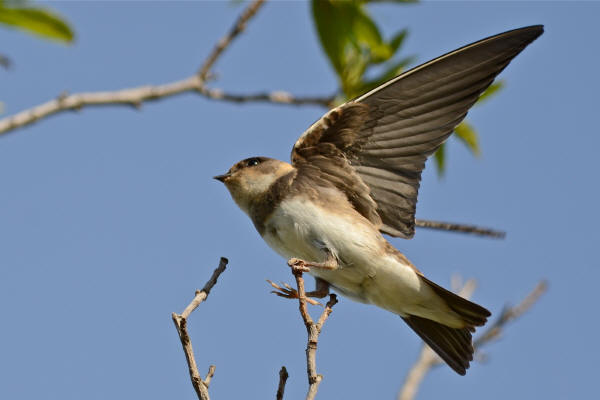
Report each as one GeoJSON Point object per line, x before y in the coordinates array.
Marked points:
{"type": "Point", "coordinates": [180, 321]}
{"type": "Point", "coordinates": [313, 330]}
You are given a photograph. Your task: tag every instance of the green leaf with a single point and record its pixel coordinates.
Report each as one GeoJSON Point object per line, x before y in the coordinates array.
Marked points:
{"type": "Point", "coordinates": [391, 1]}
{"type": "Point", "coordinates": [351, 40]}
{"type": "Point", "coordinates": [490, 91]}
{"type": "Point", "coordinates": [333, 23]}
{"type": "Point", "coordinates": [466, 134]}
{"type": "Point", "coordinates": [397, 40]}
{"type": "Point", "coordinates": [38, 21]}
{"type": "Point", "coordinates": [368, 38]}
{"type": "Point", "coordinates": [440, 159]}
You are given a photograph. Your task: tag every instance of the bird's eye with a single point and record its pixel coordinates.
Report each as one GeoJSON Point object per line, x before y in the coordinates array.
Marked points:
{"type": "Point", "coordinates": [252, 162]}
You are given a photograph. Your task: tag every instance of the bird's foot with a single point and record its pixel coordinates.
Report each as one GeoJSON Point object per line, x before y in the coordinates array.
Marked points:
{"type": "Point", "coordinates": [305, 266]}
{"type": "Point", "coordinates": [288, 292]}
{"type": "Point", "coordinates": [298, 265]}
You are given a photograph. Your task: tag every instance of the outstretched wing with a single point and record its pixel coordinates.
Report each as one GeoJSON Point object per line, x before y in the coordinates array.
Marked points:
{"type": "Point", "coordinates": [382, 139]}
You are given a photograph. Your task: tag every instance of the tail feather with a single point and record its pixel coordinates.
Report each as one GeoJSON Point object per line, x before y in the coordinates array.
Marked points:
{"type": "Point", "coordinates": [472, 314]}
{"type": "Point", "coordinates": [453, 345]}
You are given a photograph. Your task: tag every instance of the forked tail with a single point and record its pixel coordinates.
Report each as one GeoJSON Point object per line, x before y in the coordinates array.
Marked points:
{"type": "Point", "coordinates": [453, 345]}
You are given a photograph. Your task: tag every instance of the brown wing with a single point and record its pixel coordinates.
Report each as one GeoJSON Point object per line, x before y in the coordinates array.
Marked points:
{"type": "Point", "coordinates": [321, 157]}
{"type": "Point", "coordinates": [386, 135]}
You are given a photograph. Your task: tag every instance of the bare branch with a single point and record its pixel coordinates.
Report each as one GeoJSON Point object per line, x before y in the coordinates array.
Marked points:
{"type": "Point", "coordinates": [428, 359]}
{"type": "Point", "coordinates": [449, 226]}
{"type": "Point", "coordinates": [283, 375]}
{"type": "Point", "coordinates": [201, 295]}
{"type": "Point", "coordinates": [226, 40]}
{"type": "Point", "coordinates": [276, 97]}
{"type": "Point", "coordinates": [313, 330]}
{"type": "Point", "coordinates": [209, 375]}
{"type": "Point", "coordinates": [509, 314]}
{"type": "Point", "coordinates": [135, 96]}
{"type": "Point", "coordinates": [180, 321]}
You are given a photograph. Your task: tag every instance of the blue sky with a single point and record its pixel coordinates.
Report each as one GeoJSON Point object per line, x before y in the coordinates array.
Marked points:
{"type": "Point", "coordinates": [109, 218]}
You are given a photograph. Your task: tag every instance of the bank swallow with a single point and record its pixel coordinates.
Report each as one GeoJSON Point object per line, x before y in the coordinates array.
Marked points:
{"type": "Point", "coordinates": [354, 175]}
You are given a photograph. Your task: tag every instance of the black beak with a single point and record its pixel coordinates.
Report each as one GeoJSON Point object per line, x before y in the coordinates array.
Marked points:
{"type": "Point", "coordinates": [222, 177]}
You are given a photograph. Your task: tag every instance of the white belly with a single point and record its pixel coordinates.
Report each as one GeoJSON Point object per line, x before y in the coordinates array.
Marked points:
{"type": "Point", "coordinates": [302, 229]}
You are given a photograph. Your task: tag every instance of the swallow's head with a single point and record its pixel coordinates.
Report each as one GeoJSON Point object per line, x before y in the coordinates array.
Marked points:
{"type": "Point", "coordinates": [249, 179]}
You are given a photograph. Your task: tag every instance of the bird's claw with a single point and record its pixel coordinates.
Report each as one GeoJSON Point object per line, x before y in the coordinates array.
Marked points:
{"type": "Point", "coordinates": [298, 265]}
{"type": "Point", "coordinates": [289, 292]}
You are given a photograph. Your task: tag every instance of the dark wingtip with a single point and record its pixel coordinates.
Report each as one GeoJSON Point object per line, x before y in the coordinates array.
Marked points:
{"type": "Point", "coordinates": [527, 33]}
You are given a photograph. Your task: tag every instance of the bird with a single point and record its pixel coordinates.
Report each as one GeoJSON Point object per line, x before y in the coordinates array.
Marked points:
{"type": "Point", "coordinates": [354, 176]}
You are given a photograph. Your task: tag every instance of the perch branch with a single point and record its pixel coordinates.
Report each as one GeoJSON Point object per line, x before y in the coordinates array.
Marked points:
{"type": "Point", "coordinates": [313, 330]}
{"type": "Point", "coordinates": [428, 359]}
{"type": "Point", "coordinates": [180, 321]}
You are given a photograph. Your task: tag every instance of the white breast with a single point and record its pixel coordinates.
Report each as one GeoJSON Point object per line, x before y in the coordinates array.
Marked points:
{"type": "Point", "coordinates": [303, 229]}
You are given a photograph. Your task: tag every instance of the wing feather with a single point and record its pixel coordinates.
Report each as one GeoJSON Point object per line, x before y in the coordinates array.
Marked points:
{"type": "Point", "coordinates": [374, 148]}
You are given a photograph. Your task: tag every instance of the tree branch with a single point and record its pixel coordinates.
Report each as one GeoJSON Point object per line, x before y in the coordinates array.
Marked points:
{"type": "Point", "coordinates": [180, 321]}
{"type": "Point", "coordinates": [136, 96]}
{"type": "Point", "coordinates": [428, 359]}
{"type": "Point", "coordinates": [313, 330]}
{"type": "Point", "coordinates": [449, 226]}
{"type": "Point", "coordinates": [275, 97]}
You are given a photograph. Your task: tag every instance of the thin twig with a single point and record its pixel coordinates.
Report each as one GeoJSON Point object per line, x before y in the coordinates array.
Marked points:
{"type": "Point", "coordinates": [283, 375]}
{"type": "Point", "coordinates": [237, 28]}
{"type": "Point", "coordinates": [509, 314]}
{"type": "Point", "coordinates": [313, 330]}
{"type": "Point", "coordinates": [428, 359]}
{"type": "Point", "coordinates": [276, 97]}
{"type": "Point", "coordinates": [201, 295]}
{"type": "Point", "coordinates": [180, 320]}
{"type": "Point", "coordinates": [463, 228]}
{"type": "Point", "coordinates": [209, 375]}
